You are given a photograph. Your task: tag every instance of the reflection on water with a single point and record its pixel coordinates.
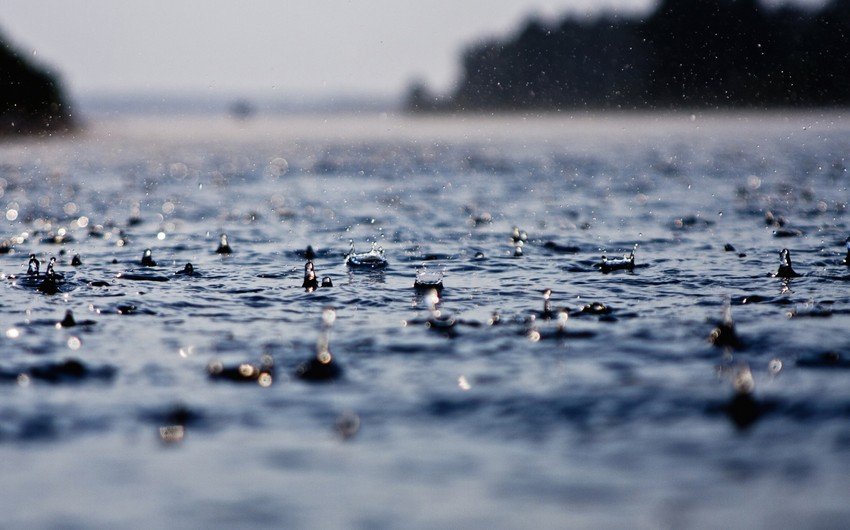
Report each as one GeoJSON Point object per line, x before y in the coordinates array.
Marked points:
{"type": "Point", "coordinates": [600, 405]}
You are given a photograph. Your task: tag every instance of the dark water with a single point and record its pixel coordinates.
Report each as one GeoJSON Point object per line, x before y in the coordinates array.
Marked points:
{"type": "Point", "coordinates": [627, 419]}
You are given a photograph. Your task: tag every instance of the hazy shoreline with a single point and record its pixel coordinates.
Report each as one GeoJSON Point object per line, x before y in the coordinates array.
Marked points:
{"type": "Point", "coordinates": [316, 131]}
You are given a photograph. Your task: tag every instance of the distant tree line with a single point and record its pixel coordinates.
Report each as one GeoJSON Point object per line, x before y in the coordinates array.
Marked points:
{"type": "Point", "coordinates": [686, 53]}
{"type": "Point", "coordinates": [31, 100]}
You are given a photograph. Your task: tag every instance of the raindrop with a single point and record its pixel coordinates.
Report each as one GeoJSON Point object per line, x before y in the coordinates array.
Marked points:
{"type": "Point", "coordinates": [774, 366]}
{"type": "Point", "coordinates": [223, 246]}
{"type": "Point", "coordinates": [147, 259]}
{"type": "Point", "coordinates": [347, 425]}
{"type": "Point", "coordinates": [785, 268]}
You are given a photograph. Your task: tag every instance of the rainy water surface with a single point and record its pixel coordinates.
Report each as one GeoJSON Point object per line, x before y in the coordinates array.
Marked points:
{"type": "Point", "coordinates": [206, 399]}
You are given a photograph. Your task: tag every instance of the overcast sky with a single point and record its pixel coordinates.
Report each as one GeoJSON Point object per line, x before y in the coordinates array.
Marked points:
{"type": "Point", "coordinates": [311, 47]}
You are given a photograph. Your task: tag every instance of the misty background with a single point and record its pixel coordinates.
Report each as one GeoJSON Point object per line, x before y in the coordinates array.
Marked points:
{"type": "Point", "coordinates": [301, 54]}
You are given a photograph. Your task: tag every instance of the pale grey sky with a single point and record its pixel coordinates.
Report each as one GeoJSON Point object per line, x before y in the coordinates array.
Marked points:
{"type": "Point", "coordinates": [312, 47]}
{"type": "Point", "coordinates": [307, 46]}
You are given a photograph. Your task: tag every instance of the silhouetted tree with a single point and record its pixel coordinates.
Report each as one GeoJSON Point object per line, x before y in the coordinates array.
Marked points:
{"type": "Point", "coordinates": [31, 100]}
{"type": "Point", "coordinates": [686, 53]}
{"type": "Point", "coordinates": [420, 99]}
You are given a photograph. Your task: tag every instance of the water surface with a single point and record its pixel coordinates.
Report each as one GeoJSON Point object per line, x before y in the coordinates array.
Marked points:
{"type": "Point", "coordinates": [627, 420]}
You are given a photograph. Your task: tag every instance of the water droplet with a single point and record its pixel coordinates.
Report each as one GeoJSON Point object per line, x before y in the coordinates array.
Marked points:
{"type": "Point", "coordinates": [265, 380]}
{"type": "Point", "coordinates": [432, 299]}
{"type": "Point", "coordinates": [347, 424]}
{"type": "Point", "coordinates": [744, 382]}
{"type": "Point", "coordinates": [223, 246]}
{"type": "Point", "coordinates": [278, 167]}
{"type": "Point", "coordinates": [172, 433]}
{"type": "Point", "coordinates": [774, 366]}
{"type": "Point", "coordinates": [328, 316]}
{"type": "Point", "coordinates": [147, 257]}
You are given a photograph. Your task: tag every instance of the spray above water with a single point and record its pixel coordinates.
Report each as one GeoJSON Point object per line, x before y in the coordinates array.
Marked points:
{"type": "Point", "coordinates": [187, 270]}
{"type": "Point", "coordinates": [50, 283]}
{"type": "Point", "coordinates": [223, 246]}
{"type": "Point", "coordinates": [743, 409]}
{"type": "Point", "coordinates": [309, 253]}
{"type": "Point", "coordinates": [147, 259]}
{"type": "Point", "coordinates": [33, 266]}
{"type": "Point", "coordinates": [547, 304]}
{"type": "Point", "coordinates": [518, 240]}
{"type": "Point", "coordinates": [47, 282]}
{"type": "Point", "coordinates": [311, 282]}
{"type": "Point", "coordinates": [518, 236]}
{"type": "Point", "coordinates": [724, 335]}
{"type": "Point", "coordinates": [627, 262]}
{"type": "Point", "coordinates": [374, 259]}
{"type": "Point", "coordinates": [69, 321]}
{"type": "Point", "coordinates": [563, 318]}
{"type": "Point", "coordinates": [437, 320]}
{"type": "Point", "coordinates": [785, 268]}
{"type": "Point", "coordinates": [428, 279]}
{"type": "Point", "coordinates": [261, 374]}
{"type": "Point", "coordinates": [322, 367]}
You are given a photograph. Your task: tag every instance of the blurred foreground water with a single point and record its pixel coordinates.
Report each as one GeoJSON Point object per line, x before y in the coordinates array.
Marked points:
{"type": "Point", "coordinates": [491, 414]}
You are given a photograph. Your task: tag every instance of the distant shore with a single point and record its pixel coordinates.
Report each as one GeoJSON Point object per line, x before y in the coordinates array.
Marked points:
{"type": "Point", "coordinates": [306, 130]}
{"type": "Point", "coordinates": [32, 101]}
{"type": "Point", "coordinates": [712, 54]}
